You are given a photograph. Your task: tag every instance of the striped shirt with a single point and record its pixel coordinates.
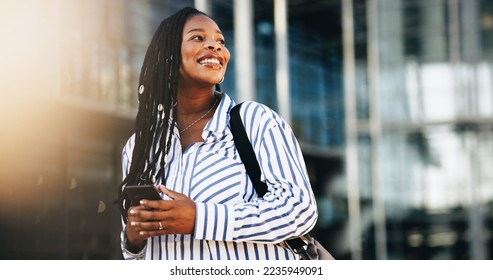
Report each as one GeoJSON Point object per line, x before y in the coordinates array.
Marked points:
{"type": "Point", "coordinates": [231, 222]}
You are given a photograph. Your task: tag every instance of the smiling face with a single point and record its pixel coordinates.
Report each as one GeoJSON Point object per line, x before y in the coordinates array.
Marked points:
{"type": "Point", "coordinates": [203, 51]}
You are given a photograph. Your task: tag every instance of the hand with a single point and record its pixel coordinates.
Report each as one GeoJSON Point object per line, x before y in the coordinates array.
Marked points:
{"type": "Point", "coordinates": [135, 241]}
{"type": "Point", "coordinates": [159, 217]}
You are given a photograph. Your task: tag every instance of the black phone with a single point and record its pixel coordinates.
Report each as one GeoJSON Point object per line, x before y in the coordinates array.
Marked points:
{"type": "Point", "coordinates": [137, 193]}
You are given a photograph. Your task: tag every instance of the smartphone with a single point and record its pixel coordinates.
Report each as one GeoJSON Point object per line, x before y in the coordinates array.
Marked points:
{"type": "Point", "coordinates": [137, 193]}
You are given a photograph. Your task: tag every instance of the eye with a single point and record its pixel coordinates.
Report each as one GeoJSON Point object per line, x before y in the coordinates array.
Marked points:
{"type": "Point", "coordinates": [222, 41]}
{"type": "Point", "coordinates": [196, 38]}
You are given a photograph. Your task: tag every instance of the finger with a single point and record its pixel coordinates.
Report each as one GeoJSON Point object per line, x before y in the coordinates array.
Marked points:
{"type": "Point", "coordinates": [158, 205]}
{"type": "Point", "coordinates": [134, 225]}
{"type": "Point", "coordinates": [143, 214]}
{"type": "Point", "coordinates": [151, 225]}
{"type": "Point", "coordinates": [172, 194]}
{"type": "Point", "coordinates": [133, 212]}
{"type": "Point", "coordinates": [147, 224]}
{"type": "Point", "coordinates": [148, 229]}
{"type": "Point", "coordinates": [159, 188]}
{"type": "Point", "coordinates": [134, 235]}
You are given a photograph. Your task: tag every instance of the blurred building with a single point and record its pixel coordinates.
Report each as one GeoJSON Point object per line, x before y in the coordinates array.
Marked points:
{"type": "Point", "coordinates": [391, 100]}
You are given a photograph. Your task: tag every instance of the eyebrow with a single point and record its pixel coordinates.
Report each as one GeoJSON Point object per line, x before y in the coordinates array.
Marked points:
{"type": "Point", "coordinates": [202, 30]}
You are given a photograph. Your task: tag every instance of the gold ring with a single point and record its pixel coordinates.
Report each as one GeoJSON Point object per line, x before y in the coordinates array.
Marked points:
{"type": "Point", "coordinates": [160, 225]}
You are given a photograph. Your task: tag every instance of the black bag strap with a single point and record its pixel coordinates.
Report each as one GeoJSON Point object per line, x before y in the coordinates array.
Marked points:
{"type": "Point", "coordinates": [245, 150]}
{"type": "Point", "coordinates": [252, 167]}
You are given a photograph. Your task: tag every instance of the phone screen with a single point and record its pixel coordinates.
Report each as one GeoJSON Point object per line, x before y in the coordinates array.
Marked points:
{"type": "Point", "coordinates": [137, 193]}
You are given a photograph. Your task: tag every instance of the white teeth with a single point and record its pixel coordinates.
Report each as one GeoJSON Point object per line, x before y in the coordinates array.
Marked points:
{"type": "Point", "coordinates": [209, 60]}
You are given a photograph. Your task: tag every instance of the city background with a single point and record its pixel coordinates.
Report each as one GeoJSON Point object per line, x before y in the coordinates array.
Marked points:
{"type": "Point", "coordinates": [391, 100]}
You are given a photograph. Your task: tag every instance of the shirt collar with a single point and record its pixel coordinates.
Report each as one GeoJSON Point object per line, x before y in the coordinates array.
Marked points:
{"type": "Point", "coordinates": [218, 124]}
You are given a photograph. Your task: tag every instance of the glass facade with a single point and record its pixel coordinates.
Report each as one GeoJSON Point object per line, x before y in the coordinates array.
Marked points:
{"type": "Point", "coordinates": [420, 72]}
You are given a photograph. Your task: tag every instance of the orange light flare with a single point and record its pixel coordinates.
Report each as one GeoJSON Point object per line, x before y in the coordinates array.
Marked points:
{"type": "Point", "coordinates": [29, 61]}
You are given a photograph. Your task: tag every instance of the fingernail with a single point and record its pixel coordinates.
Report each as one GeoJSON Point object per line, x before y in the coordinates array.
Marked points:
{"type": "Point", "coordinates": [132, 211]}
{"type": "Point", "coordinates": [133, 223]}
{"type": "Point", "coordinates": [141, 232]}
{"type": "Point", "coordinates": [141, 202]}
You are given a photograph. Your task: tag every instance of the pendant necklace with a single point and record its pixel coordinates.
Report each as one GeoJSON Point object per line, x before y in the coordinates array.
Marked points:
{"type": "Point", "coordinates": [203, 116]}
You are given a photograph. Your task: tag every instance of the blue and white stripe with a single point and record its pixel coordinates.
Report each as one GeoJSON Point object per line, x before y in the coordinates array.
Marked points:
{"type": "Point", "coordinates": [231, 221]}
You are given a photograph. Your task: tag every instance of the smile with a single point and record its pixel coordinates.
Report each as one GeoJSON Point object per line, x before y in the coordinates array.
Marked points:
{"type": "Point", "coordinates": [212, 61]}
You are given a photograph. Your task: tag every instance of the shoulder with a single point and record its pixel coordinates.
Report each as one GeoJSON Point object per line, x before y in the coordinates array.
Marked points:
{"type": "Point", "coordinates": [254, 112]}
{"type": "Point", "coordinates": [261, 122]}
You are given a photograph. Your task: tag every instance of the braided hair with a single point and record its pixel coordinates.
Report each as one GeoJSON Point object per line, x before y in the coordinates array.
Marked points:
{"type": "Point", "coordinates": [158, 86]}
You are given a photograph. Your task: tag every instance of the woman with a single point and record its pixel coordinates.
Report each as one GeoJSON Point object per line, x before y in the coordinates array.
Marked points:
{"type": "Point", "coordinates": [184, 146]}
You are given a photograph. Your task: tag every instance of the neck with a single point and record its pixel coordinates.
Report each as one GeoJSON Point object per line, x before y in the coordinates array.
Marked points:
{"type": "Point", "coordinates": [191, 118]}
{"type": "Point", "coordinates": [194, 101]}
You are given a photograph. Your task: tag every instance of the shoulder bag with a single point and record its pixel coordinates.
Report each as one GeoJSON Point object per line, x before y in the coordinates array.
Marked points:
{"type": "Point", "coordinates": [305, 246]}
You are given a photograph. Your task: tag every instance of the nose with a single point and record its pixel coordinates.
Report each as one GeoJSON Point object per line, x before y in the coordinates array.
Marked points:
{"type": "Point", "coordinates": [213, 46]}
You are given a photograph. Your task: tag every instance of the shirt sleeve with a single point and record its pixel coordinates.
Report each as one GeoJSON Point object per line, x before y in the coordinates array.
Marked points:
{"type": "Point", "coordinates": [126, 161]}
{"type": "Point", "coordinates": [127, 254]}
{"type": "Point", "coordinates": [289, 207]}
{"type": "Point", "coordinates": [127, 156]}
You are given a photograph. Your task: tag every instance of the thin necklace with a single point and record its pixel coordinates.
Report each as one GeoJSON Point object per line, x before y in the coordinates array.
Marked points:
{"type": "Point", "coordinates": [203, 116]}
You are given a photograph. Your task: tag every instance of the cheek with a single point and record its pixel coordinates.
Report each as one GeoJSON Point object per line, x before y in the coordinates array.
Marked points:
{"type": "Point", "coordinates": [187, 53]}
{"type": "Point", "coordinates": [226, 56]}
{"type": "Point", "coordinates": [187, 62]}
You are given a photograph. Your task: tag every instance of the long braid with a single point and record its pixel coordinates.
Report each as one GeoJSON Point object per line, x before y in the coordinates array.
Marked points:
{"type": "Point", "coordinates": [154, 123]}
